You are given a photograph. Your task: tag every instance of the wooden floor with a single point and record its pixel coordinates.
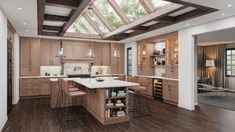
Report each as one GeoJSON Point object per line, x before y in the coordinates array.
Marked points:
{"type": "Point", "coordinates": [35, 115]}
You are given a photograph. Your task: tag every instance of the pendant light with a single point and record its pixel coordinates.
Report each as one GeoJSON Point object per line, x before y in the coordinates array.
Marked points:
{"type": "Point", "coordinates": [90, 53]}
{"type": "Point", "coordinates": [60, 49]}
{"type": "Point", "coordinates": [116, 52]}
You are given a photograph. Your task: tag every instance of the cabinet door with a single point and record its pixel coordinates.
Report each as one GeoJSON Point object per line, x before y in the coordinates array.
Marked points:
{"type": "Point", "coordinates": [114, 65]}
{"type": "Point", "coordinates": [35, 57]}
{"type": "Point", "coordinates": [24, 57]}
{"type": "Point", "coordinates": [166, 90]}
{"type": "Point", "coordinates": [173, 86]}
{"type": "Point", "coordinates": [106, 55]}
{"type": "Point", "coordinates": [45, 52]}
{"type": "Point", "coordinates": [45, 86]}
{"type": "Point", "coordinates": [121, 59]}
{"type": "Point", "coordinates": [54, 52]}
{"type": "Point", "coordinates": [77, 51]}
{"type": "Point", "coordinates": [98, 54]}
{"type": "Point", "coordinates": [68, 51]}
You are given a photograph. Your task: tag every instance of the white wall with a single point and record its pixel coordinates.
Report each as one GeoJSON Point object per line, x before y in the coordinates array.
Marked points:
{"type": "Point", "coordinates": [132, 45]}
{"type": "Point", "coordinates": [187, 55]}
{"type": "Point", "coordinates": [16, 59]}
{"type": "Point", "coordinates": [3, 69]}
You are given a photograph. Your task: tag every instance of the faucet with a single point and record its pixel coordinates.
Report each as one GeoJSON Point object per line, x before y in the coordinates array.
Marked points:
{"type": "Point", "coordinates": [77, 68]}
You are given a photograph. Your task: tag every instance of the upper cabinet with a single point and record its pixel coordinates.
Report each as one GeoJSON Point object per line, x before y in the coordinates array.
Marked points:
{"type": "Point", "coordinates": [29, 56]}
{"type": "Point", "coordinates": [117, 63]}
{"type": "Point", "coordinates": [50, 52]}
{"type": "Point", "coordinates": [102, 54]}
{"type": "Point", "coordinates": [145, 50]}
{"type": "Point", "coordinates": [159, 56]}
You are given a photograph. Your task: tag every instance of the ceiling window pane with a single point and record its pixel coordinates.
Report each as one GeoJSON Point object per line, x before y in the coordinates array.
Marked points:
{"type": "Point", "coordinates": [82, 26]}
{"type": "Point", "coordinates": [97, 21]}
{"type": "Point", "coordinates": [132, 8]}
{"type": "Point", "coordinates": [108, 12]}
{"type": "Point", "coordinates": [159, 3]}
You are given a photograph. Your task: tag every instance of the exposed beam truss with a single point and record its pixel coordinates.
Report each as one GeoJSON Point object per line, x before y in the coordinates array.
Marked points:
{"type": "Point", "coordinates": [82, 6]}
{"type": "Point", "coordinates": [48, 17]}
{"type": "Point", "coordinates": [147, 6]}
{"type": "Point", "coordinates": [72, 4]}
{"type": "Point", "coordinates": [41, 10]}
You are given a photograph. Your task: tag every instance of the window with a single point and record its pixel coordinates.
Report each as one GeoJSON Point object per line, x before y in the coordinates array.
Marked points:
{"type": "Point", "coordinates": [230, 62]}
{"type": "Point", "coordinates": [129, 61]}
{"type": "Point", "coordinates": [132, 8]}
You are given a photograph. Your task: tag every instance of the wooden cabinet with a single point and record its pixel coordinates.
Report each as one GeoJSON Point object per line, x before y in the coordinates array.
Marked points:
{"type": "Point", "coordinates": [102, 54]}
{"type": "Point", "coordinates": [145, 50]}
{"type": "Point", "coordinates": [117, 63]}
{"type": "Point", "coordinates": [172, 55]}
{"type": "Point", "coordinates": [45, 86]}
{"type": "Point", "coordinates": [49, 52]}
{"type": "Point", "coordinates": [170, 91]}
{"type": "Point", "coordinates": [30, 87]}
{"type": "Point", "coordinates": [148, 83]}
{"type": "Point", "coordinates": [29, 57]}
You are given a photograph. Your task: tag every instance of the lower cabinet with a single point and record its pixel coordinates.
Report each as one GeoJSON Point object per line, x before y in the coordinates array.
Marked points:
{"type": "Point", "coordinates": [45, 86]}
{"type": "Point", "coordinates": [170, 91]}
{"type": "Point", "coordinates": [34, 87]}
{"type": "Point", "coordinates": [29, 87]}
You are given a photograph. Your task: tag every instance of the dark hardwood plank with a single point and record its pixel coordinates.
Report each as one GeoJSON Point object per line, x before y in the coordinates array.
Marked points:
{"type": "Point", "coordinates": [35, 115]}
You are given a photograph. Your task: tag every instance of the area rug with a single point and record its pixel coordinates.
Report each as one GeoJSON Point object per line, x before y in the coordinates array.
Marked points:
{"type": "Point", "coordinates": [219, 100]}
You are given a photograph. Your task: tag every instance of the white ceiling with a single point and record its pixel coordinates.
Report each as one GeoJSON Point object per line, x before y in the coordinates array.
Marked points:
{"type": "Point", "coordinates": [217, 37]}
{"type": "Point", "coordinates": [28, 15]}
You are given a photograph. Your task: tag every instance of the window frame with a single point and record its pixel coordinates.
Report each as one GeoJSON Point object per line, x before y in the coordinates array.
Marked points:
{"type": "Point", "coordinates": [226, 69]}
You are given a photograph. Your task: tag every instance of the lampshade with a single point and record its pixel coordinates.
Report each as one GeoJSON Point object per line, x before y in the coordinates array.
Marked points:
{"type": "Point", "coordinates": [210, 63]}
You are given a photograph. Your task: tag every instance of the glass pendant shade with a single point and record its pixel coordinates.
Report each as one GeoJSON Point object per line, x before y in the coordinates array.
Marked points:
{"type": "Point", "coordinates": [90, 53]}
{"type": "Point", "coordinates": [116, 53]}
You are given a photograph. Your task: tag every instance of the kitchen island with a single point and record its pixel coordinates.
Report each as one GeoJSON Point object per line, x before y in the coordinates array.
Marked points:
{"type": "Point", "coordinates": [107, 101]}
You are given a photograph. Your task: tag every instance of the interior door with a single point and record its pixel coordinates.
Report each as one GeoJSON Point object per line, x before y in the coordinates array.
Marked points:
{"type": "Point", "coordinates": [9, 76]}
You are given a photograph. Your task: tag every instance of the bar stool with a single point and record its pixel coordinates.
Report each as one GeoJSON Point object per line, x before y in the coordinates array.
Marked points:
{"type": "Point", "coordinates": [136, 95]}
{"type": "Point", "coordinates": [71, 96]}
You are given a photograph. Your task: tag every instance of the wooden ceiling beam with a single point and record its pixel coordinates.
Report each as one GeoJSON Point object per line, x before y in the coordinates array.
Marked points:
{"type": "Point", "coordinates": [52, 28]}
{"type": "Point", "coordinates": [72, 4]}
{"type": "Point", "coordinates": [93, 25]}
{"type": "Point", "coordinates": [82, 6]}
{"type": "Point", "coordinates": [102, 19]}
{"type": "Point", "coordinates": [147, 6]}
{"type": "Point", "coordinates": [40, 12]}
{"type": "Point", "coordinates": [166, 19]}
{"type": "Point", "coordinates": [141, 28]}
{"type": "Point", "coordinates": [49, 33]}
{"type": "Point", "coordinates": [83, 36]}
{"type": "Point", "coordinates": [119, 11]}
{"type": "Point", "coordinates": [49, 17]}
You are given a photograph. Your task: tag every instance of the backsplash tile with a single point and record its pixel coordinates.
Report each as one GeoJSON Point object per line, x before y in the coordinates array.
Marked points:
{"type": "Point", "coordinates": [52, 70]}
{"type": "Point", "coordinates": [76, 68]}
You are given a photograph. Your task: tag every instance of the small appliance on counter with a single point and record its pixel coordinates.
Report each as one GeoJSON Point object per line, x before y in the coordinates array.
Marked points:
{"type": "Point", "coordinates": [50, 71]}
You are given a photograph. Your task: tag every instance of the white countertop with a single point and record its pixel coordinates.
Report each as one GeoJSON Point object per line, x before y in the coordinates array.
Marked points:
{"type": "Point", "coordinates": [158, 77]}
{"type": "Point", "coordinates": [42, 76]}
{"type": "Point", "coordinates": [91, 83]}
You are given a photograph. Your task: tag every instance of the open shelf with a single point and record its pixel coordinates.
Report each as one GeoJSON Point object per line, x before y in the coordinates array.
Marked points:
{"type": "Point", "coordinates": [114, 107]}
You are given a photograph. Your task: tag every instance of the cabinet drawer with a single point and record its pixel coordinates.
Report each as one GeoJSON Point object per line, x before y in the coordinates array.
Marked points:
{"type": "Point", "coordinates": [30, 81]}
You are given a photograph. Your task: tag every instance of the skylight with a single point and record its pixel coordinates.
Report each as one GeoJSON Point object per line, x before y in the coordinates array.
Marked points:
{"type": "Point", "coordinates": [104, 16]}
{"type": "Point", "coordinates": [96, 20]}
{"type": "Point", "coordinates": [132, 8]}
{"type": "Point", "coordinates": [108, 12]}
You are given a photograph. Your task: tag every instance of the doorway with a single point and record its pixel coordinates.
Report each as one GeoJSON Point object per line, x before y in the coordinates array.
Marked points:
{"type": "Point", "coordinates": [9, 75]}
{"type": "Point", "coordinates": [129, 61]}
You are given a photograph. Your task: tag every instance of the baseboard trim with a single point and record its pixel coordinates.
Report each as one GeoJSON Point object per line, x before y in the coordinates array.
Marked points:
{"type": "Point", "coordinates": [3, 123]}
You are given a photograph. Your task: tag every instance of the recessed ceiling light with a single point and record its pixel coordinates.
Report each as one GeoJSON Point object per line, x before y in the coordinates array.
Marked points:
{"type": "Point", "coordinates": [25, 23]}
{"type": "Point", "coordinates": [26, 30]}
{"type": "Point", "coordinates": [188, 24]}
{"type": "Point", "coordinates": [222, 14]}
{"type": "Point", "coordinates": [19, 8]}
{"type": "Point", "coordinates": [229, 5]}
